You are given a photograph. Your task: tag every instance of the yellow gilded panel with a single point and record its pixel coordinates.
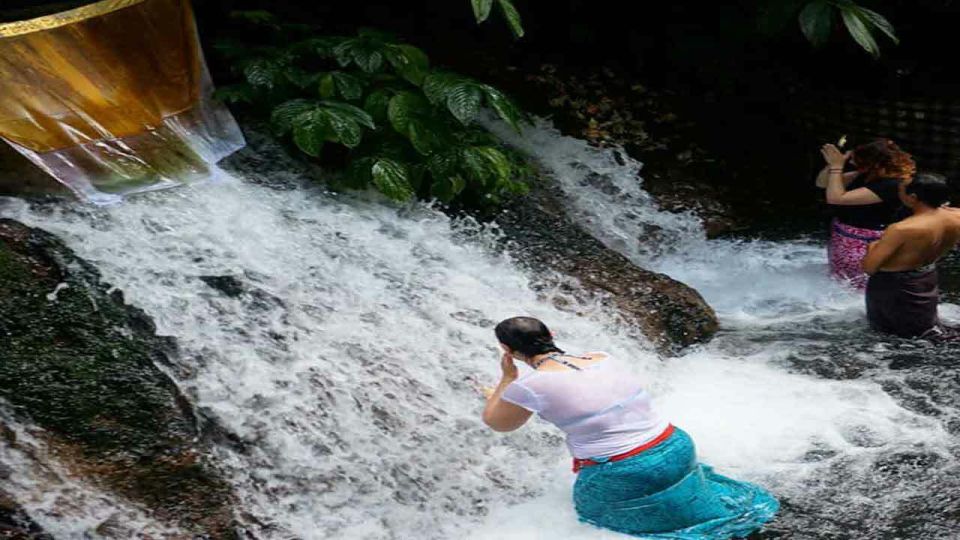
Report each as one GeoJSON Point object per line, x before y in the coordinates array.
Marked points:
{"type": "Point", "coordinates": [103, 71]}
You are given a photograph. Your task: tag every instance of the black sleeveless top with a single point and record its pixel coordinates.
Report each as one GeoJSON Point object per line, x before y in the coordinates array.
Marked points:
{"type": "Point", "coordinates": [873, 216]}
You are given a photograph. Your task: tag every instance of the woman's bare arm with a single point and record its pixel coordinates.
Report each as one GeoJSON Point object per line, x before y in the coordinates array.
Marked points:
{"type": "Point", "coordinates": [822, 177]}
{"type": "Point", "coordinates": [499, 414]}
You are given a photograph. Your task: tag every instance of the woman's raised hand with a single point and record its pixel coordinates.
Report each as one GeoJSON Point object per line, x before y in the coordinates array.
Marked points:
{"type": "Point", "coordinates": [833, 156]}
{"type": "Point", "coordinates": [510, 371]}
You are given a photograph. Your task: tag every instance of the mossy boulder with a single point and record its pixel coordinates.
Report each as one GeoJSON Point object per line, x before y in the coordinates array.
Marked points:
{"type": "Point", "coordinates": [80, 363]}
{"type": "Point", "coordinates": [671, 314]}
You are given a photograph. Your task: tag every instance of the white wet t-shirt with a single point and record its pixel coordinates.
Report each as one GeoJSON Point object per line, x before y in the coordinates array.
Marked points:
{"type": "Point", "coordinates": [602, 408]}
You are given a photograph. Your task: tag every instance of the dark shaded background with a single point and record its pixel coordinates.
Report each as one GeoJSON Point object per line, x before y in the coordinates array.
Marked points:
{"type": "Point", "coordinates": [760, 103]}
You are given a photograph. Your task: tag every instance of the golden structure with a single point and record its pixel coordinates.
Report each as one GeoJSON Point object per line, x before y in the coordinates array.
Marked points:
{"type": "Point", "coordinates": [113, 97]}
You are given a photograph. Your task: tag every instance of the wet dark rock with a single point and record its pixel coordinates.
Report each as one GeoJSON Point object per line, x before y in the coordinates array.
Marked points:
{"type": "Point", "coordinates": [79, 363]}
{"type": "Point", "coordinates": [228, 285]}
{"type": "Point", "coordinates": [15, 524]}
{"type": "Point", "coordinates": [671, 314]}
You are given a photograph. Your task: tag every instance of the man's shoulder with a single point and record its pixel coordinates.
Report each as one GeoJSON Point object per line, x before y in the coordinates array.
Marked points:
{"type": "Point", "coordinates": [910, 226]}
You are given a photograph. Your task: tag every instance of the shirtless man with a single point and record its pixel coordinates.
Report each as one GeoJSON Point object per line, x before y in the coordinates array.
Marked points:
{"type": "Point", "coordinates": [902, 293]}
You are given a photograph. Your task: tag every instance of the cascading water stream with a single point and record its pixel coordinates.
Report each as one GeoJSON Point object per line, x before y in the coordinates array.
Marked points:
{"type": "Point", "coordinates": [347, 361]}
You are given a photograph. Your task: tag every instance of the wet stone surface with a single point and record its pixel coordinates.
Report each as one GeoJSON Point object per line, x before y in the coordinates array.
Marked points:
{"type": "Point", "coordinates": [82, 365]}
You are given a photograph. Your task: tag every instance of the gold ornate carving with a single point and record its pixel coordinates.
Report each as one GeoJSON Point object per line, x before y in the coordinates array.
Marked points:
{"type": "Point", "coordinates": [71, 16]}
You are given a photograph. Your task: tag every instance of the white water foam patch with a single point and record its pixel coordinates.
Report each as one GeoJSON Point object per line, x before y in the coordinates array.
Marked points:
{"type": "Point", "coordinates": [64, 506]}
{"type": "Point", "coordinates": [748, 283]}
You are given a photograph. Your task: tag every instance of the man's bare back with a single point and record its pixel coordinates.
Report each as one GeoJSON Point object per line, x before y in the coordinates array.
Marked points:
{"type": "Point", "coordinates": [915, 242]}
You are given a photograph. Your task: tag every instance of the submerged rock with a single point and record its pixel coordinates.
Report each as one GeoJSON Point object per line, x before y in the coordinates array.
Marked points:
{"type": "Point", "coordinates": [15, 524]}
{"type": "Point", "coordinates": [81, 364]}
{"type": "Point", "coordinates": [671, 314]}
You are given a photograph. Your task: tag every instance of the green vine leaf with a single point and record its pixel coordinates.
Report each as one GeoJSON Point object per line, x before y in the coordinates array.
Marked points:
{"type": "Point", "coordinates": [310, 133]}
{"type": "Point", "coordinates": [879, 22]}
{"type": "Point", "coordinates": [463, 101]}
{"type": "Point", "coordinates": [284, 116]}
{"type": "Point", "coordinates": [816, 22]}
{"type": "Point", "coordinates": [859, 31]}
{"type": "Point", "coordinates": [504, 107]}
{"type": "Point", "coordinates": [410, 62]}
{"type": "Point", "coordinates": [390, 177]}
{"type": "Point", "coordinates": [513, 17]}
{"type": "Point", "coordinates": [481, 9]}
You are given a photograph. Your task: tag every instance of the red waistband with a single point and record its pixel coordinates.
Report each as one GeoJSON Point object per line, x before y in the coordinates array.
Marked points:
{"type": "Point", "coordinates": [579, 463]}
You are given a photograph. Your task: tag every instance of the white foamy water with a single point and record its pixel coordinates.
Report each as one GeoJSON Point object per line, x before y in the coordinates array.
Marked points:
{"type": "Point", "coordinates": [349, 364]}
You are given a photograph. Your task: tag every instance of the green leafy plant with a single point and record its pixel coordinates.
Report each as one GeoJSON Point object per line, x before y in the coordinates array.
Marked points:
{"type": "Point", "coordinates": [482, 9]}
{"type": "Point", "coordinates": [819, 18]}
{"type": "Point", "coordinates": [408, 129]}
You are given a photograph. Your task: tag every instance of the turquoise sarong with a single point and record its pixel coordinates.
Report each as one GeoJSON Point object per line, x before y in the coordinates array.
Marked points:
{"type": "Point", "coordinates": [664, 493]}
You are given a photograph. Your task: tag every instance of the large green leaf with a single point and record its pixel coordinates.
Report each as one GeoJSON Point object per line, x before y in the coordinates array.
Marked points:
{"type": "Point", "coordinates": [858, 29]}
{"type": "Point", "coordinates": [285, 115]}
{"type": "Point", "coordinates": [816, 21]}
{"type": "Point", "coordinates": [475, 165]}
{"type": "Point", "coordinates": [447, 188]}
{"type": "Point", "coordinates": [301, 78]}
{"type": "Point", "coordinates": [410, 62]}
{"type": "Point", "coordinates": [390, 177]}
{"type": "Point", "coordinates": [437, 85]}
{"type": "Point", "coordinates": [261, 72]}
{"type": "Point", "coordinates": [481, 9]}
{"type": "Point", "coordinates": [421, 137]}
{"type": "Point", "coordinates": [442, 189]}
{"type": "Point", "coordinates": [495, 165]}
{"type": "Point", "coordinates": [879, 22]}
{"type": "Point", "coordinates": [358, 174]}
{"type": "Point", "coordinates": [343, 129]}
{"type": "Point", "coordinates": [463, 101]}
{"type": "Point", "coordinates": [309, 135]}
{"type": "Point", "coordinates": [513, 17]}
{"type": "Point", "coordinates": [350, 86]}
{"type": "Point", "coordinates": [442, 164]}
{"type": "Point", "coordinates": [356, 114]}
{"type": "Point", "coordinates": [376, 104]}
{"type": "Point", "coordinates": [403, 108]}
{"type": "Point", "coordinates": [505, 108]}
{"type": "Point", "coordinates": [344, 52]}
{"type": "Point", "coordinates": [368, 58]}
{"type": "Point", "coordinates": [327, 87]}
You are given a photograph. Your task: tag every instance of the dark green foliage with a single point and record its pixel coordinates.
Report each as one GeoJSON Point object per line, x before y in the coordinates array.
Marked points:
{"type": "Point", "coordinates": [482, 8]}
{"type": "Point", "coordinates": [410, 130]}
{"type": "Point", "coordinates": [818, 20]}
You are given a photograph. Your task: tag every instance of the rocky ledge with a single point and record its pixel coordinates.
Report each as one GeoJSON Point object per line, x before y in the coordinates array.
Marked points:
{"type": "Point", "coordinates": [82, 365]}
{"type": "Point", "coordinates": [670, 314]}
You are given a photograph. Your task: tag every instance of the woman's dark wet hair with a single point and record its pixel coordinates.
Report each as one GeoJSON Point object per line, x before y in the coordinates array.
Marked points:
{"type": "Point", "coordinates": [931, 189]}
{"type": "Point", "coordinates": [884, 159]}
{"type": "Point", "coordinates": [526, 336]}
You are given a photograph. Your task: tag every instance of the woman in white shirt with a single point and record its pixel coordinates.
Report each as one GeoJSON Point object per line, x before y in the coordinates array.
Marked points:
{"type": "Point", "coordinates": [636, 473]}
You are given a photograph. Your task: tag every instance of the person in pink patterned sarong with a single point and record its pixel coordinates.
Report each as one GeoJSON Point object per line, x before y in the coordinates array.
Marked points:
{"type": "Point", "coordinates": [864, 201]}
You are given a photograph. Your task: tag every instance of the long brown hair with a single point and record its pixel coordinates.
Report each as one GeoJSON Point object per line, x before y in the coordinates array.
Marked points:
{"type": "Point", "coordinates": [884, 159]}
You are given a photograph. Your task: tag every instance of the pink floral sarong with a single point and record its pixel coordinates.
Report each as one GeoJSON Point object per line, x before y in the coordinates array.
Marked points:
{"type": "Point", "coordinates": [846, 250]}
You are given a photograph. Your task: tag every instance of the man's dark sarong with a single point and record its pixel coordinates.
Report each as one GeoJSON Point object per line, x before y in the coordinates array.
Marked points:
{"type": "Point", "coordinates": [904, 303]}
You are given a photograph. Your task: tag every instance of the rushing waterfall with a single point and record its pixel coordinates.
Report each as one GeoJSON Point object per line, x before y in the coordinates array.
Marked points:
{"type": "Point", "coordinates": [348, 356]}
